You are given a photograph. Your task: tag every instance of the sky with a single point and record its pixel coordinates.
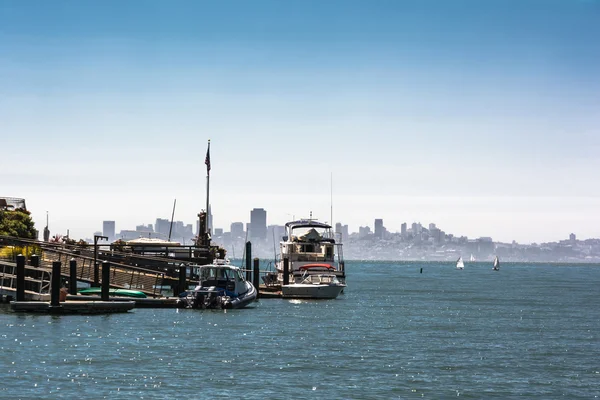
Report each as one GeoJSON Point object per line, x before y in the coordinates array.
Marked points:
{"type": "Point", "coordinates": [480, 116]}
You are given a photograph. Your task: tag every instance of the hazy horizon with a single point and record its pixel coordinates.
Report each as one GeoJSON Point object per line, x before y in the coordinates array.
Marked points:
{"type": "Point", "coordinates": [478, 116]}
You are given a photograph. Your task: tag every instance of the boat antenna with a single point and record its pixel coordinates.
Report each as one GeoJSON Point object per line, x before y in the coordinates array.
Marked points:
{"type": "Point", "coordinates": [172, 216]}
{"type": "Point", "coordinates": [331, 198]}
{"type": "Point", "coordinates": [274, 248]}
{"type": "Point", "coordinates": [244, 252]}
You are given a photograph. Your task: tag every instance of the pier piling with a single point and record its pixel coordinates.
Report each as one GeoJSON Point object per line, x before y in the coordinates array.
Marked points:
{"type": "Point", "coordinates": [96, 282]}
{"type": "Point", "coordinates": [105, 280]}
{"type": "Point", "coordinates": [255, 280]}
{"type": "Point", "coordinates": [73, 276]}
{"type": "Point", "coordinates": [20, 277]}
{"type": "Point", "coordinates": [55, 284]}
{"type": "Point", "coordinates": [248, 262]}
{"type": "Point", "coordinates": [181, 286]}
{"type": "Point", "coordinates": [34, 260]}
{"type": "Point", "coordinates": [286, 271]}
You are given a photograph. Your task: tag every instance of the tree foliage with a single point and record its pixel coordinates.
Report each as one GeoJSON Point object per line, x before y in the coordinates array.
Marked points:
{"type": "Point", "coordinates": [17, 223]}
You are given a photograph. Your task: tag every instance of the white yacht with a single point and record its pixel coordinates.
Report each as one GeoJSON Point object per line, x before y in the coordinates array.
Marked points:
{"type": "Point", "coordinates": [310, 250]}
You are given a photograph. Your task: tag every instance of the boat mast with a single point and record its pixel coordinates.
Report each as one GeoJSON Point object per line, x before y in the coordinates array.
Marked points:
{"type": "Point", "coordinates": [331, 203]}
{"type": "Point", "coordinates": [172, 216]}
{"type": "Point", "coordinates": [207, 162]}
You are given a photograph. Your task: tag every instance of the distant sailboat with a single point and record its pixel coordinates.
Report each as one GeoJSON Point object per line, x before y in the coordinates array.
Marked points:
{"type": "Point", "coordinates": [496, 264]}
{"type": "Point", "coordinates": [460, 264]}
{"type": "Point", "coordinates": [472, 258]}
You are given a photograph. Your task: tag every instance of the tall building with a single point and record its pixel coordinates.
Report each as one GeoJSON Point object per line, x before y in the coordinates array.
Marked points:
{"type": "Point", "coordinates": [403, 229]}
{"type": "Point", "coordinates": [275, 233]}
{"type": "Point", "coordinates": [379, 228]}
{"type": "Point", "coordinates": [108, 230]}
{"type": "Point", "coordinates": [258, 224]}
{"type": "Point", "coordinates": [162, 226]}
{"type": "Point", "coordinates": [237, 229]}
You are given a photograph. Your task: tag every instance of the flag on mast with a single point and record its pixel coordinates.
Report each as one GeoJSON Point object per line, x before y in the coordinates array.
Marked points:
{"type": "Point", "coordinates": [207, 159]}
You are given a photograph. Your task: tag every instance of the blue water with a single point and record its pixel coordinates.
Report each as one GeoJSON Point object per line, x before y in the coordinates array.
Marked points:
{"type": "Point", "coordinates": [528, 331]}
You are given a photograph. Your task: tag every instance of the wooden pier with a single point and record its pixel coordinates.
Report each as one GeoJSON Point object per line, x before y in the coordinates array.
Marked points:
{"type": "Point", "coordinates": [73, 307]}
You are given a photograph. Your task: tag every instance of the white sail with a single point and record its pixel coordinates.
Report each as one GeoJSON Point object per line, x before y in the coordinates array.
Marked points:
{"type": "Point", "coordinates": [472, 258]}
{"type": "Point", "coordinates": [460, 264]}
{"type": "Point", "coordinates": [496, 264]}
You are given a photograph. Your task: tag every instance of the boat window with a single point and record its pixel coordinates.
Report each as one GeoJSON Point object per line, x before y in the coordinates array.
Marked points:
{"type": "Point", "coordinates": [329, 251]}
{"type": "Point", "coordinates": [208, 273]}
{"type": "Point", "coordinates": [308, 248]}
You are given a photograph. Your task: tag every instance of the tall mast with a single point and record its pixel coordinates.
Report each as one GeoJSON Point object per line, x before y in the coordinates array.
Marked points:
{"type": "Point", "coordinates": [207, 162]}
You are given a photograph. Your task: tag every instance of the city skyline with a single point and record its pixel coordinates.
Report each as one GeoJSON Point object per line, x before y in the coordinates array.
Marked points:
{"type": "Point", "coordinates": [479, 116]}
{"type": "Point", "coordinates": [161, 227]}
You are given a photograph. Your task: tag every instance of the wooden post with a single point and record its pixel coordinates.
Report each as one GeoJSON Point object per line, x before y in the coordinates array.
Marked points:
{"type": "Point", "coordinates": [55, 284]}
{"type": "Point", "coordinates": [255, 280]}
{"type": "Point", "coordinates": [20, 277]}
{"type": "Point", "coordinates": [182, 287]}
{"type": "Point", "coordinates": [248, 262]}
{"type": "Point", "coordinates": [105, 280]}
{"type": "Point", "coordinates": [35, 260]}
{"type": "Point", "coordinates": [96, 282]}
{"type": "Point", "coordinates": [73, 276]}
{"type": "Point", "coordinates": [286, 271]}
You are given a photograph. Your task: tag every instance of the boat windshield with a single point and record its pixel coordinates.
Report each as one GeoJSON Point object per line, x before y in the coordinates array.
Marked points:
{"type": "Point", "coordinates": [310, 233]}
{"type": "Point", "coordinates": [208, 273]}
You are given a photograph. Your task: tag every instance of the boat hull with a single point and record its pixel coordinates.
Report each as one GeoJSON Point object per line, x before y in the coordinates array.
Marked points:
{"type": "Point", "coordinates": [212, 298]}
{"type": "Point", "coordinates": [311, 291]}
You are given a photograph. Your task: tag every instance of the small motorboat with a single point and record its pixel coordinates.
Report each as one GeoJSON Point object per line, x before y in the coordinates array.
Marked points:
{"type": "Point", "coordinates": [221, 286]}
{"type": "Point", "coordinates": [314, 286]}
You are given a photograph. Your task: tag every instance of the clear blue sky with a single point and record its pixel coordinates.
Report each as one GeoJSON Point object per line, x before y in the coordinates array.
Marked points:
{"type": "Point", "coordinates": [480, 116]}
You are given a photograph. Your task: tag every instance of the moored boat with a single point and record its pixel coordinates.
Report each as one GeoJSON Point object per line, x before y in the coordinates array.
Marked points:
{"type": "Point", "coordinates": [221, 286]}
{"type": "Point", "coordinates": [314, 286]}
{"type": "Point", "coordinates": [309, 248]}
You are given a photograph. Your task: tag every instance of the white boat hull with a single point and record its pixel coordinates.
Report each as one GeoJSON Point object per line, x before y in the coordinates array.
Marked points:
{"type": "Point", "coordinates": [311, 291]}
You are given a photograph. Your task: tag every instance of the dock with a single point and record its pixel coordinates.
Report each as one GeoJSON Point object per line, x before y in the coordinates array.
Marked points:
{"type": "Point", "coordinates": [73, 307]}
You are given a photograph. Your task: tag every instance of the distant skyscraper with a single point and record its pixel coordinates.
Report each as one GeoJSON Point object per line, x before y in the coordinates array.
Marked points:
{"type": "Point", "coordinates": [379, 228]}
{"type": "Point", "coordinates": [403, 229]}
{"type": "Point", "coordinates": [275, 233]}
{"type": "Point", "coordinates": [338, 231]}
{"type": "Point", "coordinates": [108, 230]}
{"type": "Point", "coordinates": [345, 233]}
{"type": "Point", "coordinates": [258, 224]}
{"type": "Point", "coordinates": [162, 226]}
{"type": "Point", "coordinates": [237, 229]}
{"type": "Point", "coordinates": [218, 232]}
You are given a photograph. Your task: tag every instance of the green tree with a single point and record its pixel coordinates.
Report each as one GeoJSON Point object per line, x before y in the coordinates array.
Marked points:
{"type": "Point", "coordinates": [17, 223]}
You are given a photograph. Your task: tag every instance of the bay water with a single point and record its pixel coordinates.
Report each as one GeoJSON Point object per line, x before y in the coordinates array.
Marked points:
{"type": "Point", "coordinates": [401, 330]}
